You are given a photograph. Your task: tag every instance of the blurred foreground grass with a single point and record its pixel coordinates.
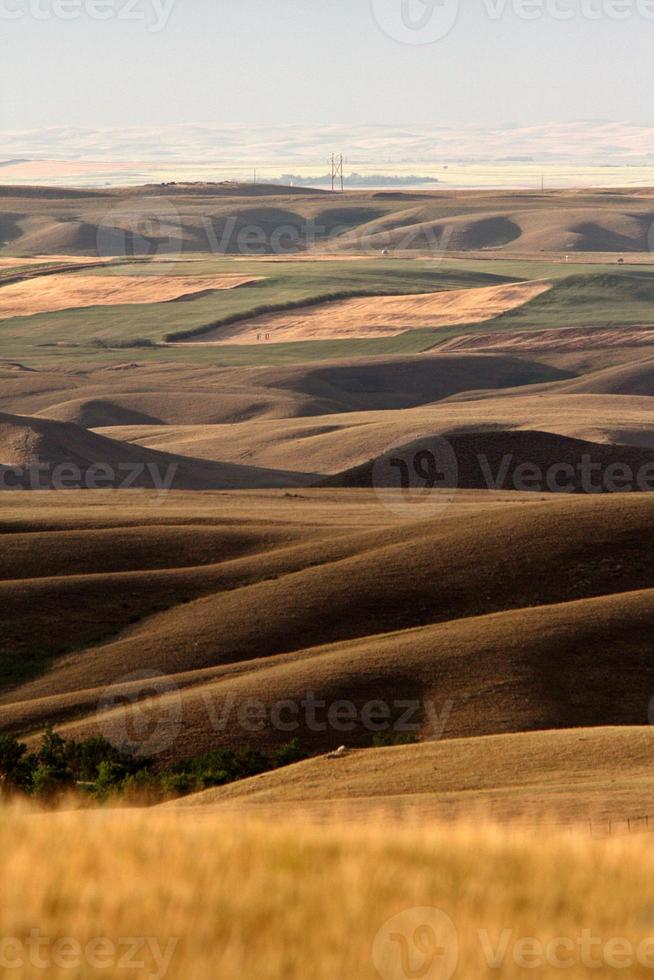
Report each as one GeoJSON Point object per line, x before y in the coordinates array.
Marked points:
{"type": "Point", "coordinates": [210, 895]}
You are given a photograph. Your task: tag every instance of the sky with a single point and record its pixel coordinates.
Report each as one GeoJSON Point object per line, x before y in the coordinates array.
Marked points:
{"type": "Point", "coordinates": [152, 63]}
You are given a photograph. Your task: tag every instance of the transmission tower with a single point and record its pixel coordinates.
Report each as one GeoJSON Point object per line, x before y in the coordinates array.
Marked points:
{"type": "Point", "coordinates": [337, 172]}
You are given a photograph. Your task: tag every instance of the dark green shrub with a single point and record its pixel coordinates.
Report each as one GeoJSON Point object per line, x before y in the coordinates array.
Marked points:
{"type": "Point", "coordinates": [15, 765]}
{"type": "Point", "coordinates": [289, 753]}
{"type": "Point", "coordinates": [51, 781]}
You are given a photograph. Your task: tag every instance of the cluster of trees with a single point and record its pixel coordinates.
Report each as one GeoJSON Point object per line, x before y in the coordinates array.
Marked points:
{"type": "Point", "coordinates": [356, 180]}
{"type": "Point", "coordinates": [99, 771]}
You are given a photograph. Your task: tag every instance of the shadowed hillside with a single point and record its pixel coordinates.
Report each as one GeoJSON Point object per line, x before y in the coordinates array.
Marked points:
{"type": "Point", "coordinates": [198, 218]}
{"type": "Point", "coordinates": [138, 394]}
{"type": "Point", "coordinates": [516, 460]}
{"type": "Point", "coordinates": [39, 454]}
{"type": "Point", "coordinates": [547, 627]}
{"type": "Point", "coordinates": [491, 570]}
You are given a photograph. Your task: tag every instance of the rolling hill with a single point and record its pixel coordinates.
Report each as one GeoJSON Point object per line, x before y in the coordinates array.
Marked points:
{"type": "Point", "coordinates": [278, 562]}
{"type": "Point", "coordinates": [39, 454]}
{"type": "Point", "coordinates": [598, 775]}
{"type": "Point", "coordinates": [332, 444]}
{"type": "Point", "coordinates": [547, 628]}
{"type": "Point", "coordinates": [135, 393]}
{"type": "Point", "coordinates": [505, 460]}
{"type": "Point", "coordinates": [195, 218]}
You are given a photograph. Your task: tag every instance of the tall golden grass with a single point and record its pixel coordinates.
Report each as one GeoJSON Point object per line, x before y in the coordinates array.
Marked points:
{"type": "Point", "coordinates": [221, 897]}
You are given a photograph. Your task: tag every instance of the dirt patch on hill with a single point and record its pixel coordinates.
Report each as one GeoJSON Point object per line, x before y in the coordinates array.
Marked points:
{"type": "Point", "coordinates": [563, 339]}
{"type": "Point", "coordinates": [380, 316]}
{"type": "Point", "coordinates": [64, 292]}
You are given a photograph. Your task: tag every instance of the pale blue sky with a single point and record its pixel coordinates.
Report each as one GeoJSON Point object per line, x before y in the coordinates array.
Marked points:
{"type": "Point", "coordinates": [320, 61]}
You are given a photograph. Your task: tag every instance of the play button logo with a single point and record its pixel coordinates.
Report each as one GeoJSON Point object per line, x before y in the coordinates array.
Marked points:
{"type": "Point", "coordinates": [417, 944]}
{"type": "Point", "coordinates": [416, 21]}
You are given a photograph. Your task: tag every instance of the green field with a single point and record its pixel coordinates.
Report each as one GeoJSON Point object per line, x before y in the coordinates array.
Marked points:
{"type": "Point", "coordinates": [593, 295]}
{"type": "Point", "coordinates": [285, 285]}
{"type": "Point", "coordinates": [605, 299]}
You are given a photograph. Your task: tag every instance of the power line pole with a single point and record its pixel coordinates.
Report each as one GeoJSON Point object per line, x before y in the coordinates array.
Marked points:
{"type": "Point", "coordinates": [337, 172]}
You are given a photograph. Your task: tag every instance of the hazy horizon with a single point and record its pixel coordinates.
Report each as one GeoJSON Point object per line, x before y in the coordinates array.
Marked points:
{"type": "Point", "coordinates": [600, 140]}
